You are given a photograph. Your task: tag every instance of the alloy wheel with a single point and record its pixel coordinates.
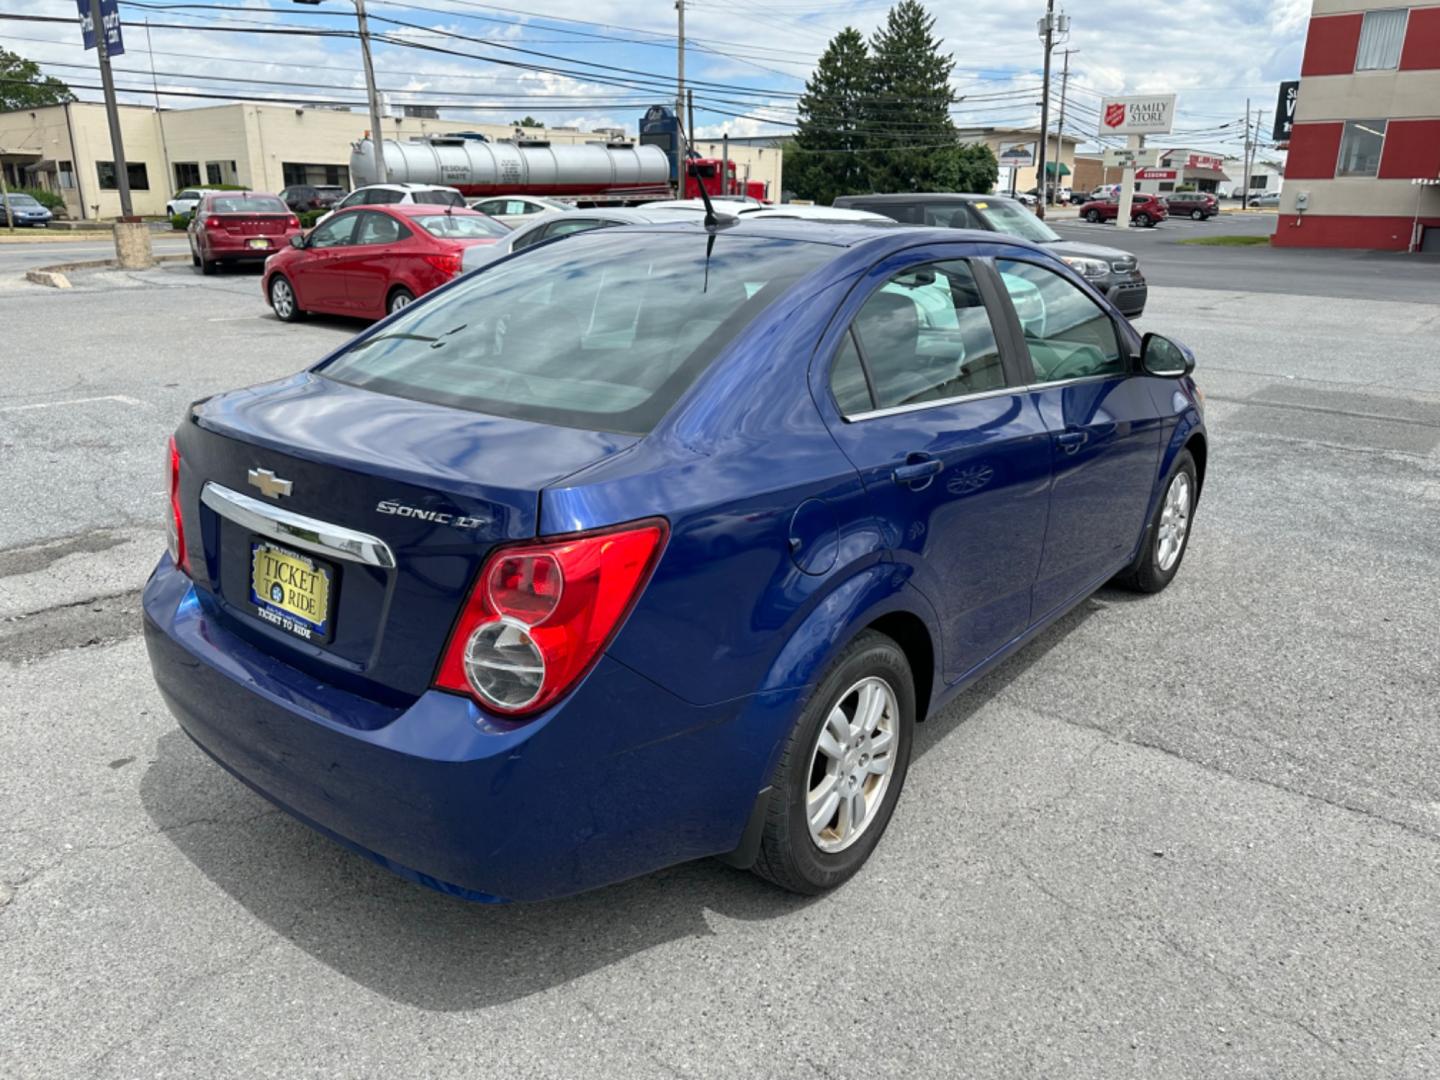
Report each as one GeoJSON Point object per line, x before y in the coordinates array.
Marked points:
{"type": "Point", "coordinates": [1174, 522]}
{"type": "Point", "coordinates": [400, 300]}
{"type": "Point", "coordinates": [851, 764]}
{"type": "Point", "coordinates": [282, 298]}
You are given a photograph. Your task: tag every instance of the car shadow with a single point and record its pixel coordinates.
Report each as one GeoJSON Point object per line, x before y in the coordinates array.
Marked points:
{"type": "Point", "coordinates": [423, 948]}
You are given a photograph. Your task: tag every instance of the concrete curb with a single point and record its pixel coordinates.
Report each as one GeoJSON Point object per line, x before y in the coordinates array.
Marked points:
{"type": "Point", "coordinates": [54, 276]}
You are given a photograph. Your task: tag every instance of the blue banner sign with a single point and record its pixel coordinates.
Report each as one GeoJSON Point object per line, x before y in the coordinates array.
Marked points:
{"type": "Point", "coordinates": [110, 18]}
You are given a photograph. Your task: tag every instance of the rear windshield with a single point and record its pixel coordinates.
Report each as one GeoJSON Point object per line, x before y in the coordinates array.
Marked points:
{"type": "Point", "coordinates": [247, 204]}
{"type": "Point", "coordinates": [460, 227]}
{"type": "Point", "coordinates": [439, 198]}
{"type": "Point", "coordinates": [602, 332]}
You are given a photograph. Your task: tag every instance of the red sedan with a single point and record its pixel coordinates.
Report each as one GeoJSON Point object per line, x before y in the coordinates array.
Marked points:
{"type": "Point", "coordinates": [371, 260]}
{"type": "Point", "coordinates": [238, 226]}
{"type": "Point", "coordinates": [1145, 209]}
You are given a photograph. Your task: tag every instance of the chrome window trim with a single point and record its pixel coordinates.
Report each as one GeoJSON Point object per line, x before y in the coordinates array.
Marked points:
{"type": "Point", "coordinates": [896, 410]}
{"type": "Point", "coordinates": [288, 527]}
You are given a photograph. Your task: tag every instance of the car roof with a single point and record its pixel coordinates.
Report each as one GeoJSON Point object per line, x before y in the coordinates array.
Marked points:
{"type": "Point", "coordinates": [404, 185]}
{"type": "Point", "coordinates": [886, 236]}
{"type": "Point", "coordinates": [910, 196]}
{"type": "Point", "coordinates": [418, 209]}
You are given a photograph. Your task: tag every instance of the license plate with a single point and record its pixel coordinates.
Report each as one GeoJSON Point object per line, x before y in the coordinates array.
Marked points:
{"type": "Point", "coordinates": [291, 591]}
{"type": "Point", "coordinates": [261, 242]}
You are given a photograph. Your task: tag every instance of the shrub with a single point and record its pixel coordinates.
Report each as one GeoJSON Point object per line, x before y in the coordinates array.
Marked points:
{"type": "Point", "coordinates": [179, 221]}
{"type": "Point", "coordinates": [309, 217]}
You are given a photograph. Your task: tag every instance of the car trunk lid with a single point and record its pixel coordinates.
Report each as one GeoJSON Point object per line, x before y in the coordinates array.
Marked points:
{"type": "Point", "coordinates": [394, 503]}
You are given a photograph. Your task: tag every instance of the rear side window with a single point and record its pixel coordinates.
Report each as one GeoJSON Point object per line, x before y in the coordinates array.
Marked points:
{"type": "Point", "coordinates": [926, 335]}
{"type": "Point", "coordinates": [460, 227]}
{"type": "Point", "coordinates": [1068, 335]}
{"type": "Point", "coordinates": [438, 198]}
{"type": "Point", "coordinates": [598, 333]}
{"type": "Point", "coordinates": [379, 229]}
{"type": "Point", "coordinates": [247, 204]}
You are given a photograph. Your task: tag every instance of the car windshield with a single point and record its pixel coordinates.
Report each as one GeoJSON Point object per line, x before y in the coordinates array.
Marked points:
{"type": "Point", "coordinates": [1004, 216]}
{"type": "Point", "coordinates": [461, 227]}
{"type": "Point", "coordinates": [248, 204]}
{"type": "Point", "coordinates": [23, 200]}
{"type": "Point", "coordinates": [188, 195]}
{"type": "Point", "coordinates": [602, 332]}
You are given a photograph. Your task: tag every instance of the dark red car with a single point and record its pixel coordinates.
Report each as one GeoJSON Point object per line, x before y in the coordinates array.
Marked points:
{"type": "Point", "coordinates": [368, 261]}
{"type": "Point", "coordinates": [1198, 205]}
{"type": "Point", "coordinates": [238, 226]}
{"type": "Point", "coordinates": [1145, 209]}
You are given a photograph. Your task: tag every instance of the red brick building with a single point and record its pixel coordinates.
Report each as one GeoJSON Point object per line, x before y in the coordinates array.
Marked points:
{"type": "Point", "coordinates": [1367, 126]}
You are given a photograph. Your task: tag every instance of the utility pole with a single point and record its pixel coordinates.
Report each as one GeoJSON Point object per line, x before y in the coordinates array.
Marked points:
{"type": "Point", "coordinates": [680, 61]}
{"type": "Point", "coordinates": [1047, 34]}
{"type": "Point", "coordinates": [1060, 131]}
{"type": "Point", "coordinates": [377, 134]}
{"type": "Point", "coordinates": [159, 117]}
{"type": "Point", "coordinates": [1245, 189]}
{"type": "Point", "coordinates": [112, 113]}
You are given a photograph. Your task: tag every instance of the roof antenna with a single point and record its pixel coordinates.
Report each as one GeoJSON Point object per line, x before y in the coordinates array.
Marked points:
{"type": "Point", "coordinates": [713, 220]}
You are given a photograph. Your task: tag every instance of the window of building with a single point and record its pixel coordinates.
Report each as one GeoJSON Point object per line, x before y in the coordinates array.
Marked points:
{"type": "Point", "coordinates": [1381, 36]}
{"type": "Point", "coordinates": [220, 172]}
{"type": "Point", "coordinates": [66, 175]}
{"type": "Point", "coordinates": [1259, 181]}
{"type": "Point", "coordinates": [187, 174]}
{"type": "Point", "coordinates": [301, 172]}
{"type": "Point", "coordinates": [135, 171]}
{"type": "Point", "coordinates": [1167, 185]}
{"type": "Point", "coordinates": [1360, 147]}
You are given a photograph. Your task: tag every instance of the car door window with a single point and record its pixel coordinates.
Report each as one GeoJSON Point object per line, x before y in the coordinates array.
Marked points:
{"type": "Point", "coordinates": [923, 336]}
{"type": "Point", "coordinates": [336, 232]}
{"type": "Point", "coordinates": [847, 380]}
{"type": "Point", "coordinates": [378, 229]}
{"type": "Point", "coordinates": [1068, 334]}
{"type": "Point", "coordinates": [528, 239]}
{"type": "Point", "coordinates": [565, 228]}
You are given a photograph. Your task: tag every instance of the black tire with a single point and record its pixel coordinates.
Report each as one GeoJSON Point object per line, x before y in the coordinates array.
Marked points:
{"type": "Point", "coordinates": [1198, 215]}
{"type": "Point", "coordinates": [208, 267]}
{"type": "Point", "coordinates": [1147, 574]}
{"type": "Point", "coordinates": [789, 856]}
{"type": "Point", "coordinates": [1092, 216]}
{"type": "Point", "coordinates": [194, 259]}
{"type": "Point", "coordinates": [398, 299]}
{"type": "Point", "coordinates": [1143, 220]}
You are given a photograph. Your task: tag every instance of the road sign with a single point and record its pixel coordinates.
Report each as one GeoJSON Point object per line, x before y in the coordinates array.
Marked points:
{"type": "Point", "coordinates": [1285, 110]}
{"type": "Point", "coordinates": [1147, 114]}
{"type": "Point", "coordinates": [1131, 159]}
{"type": "Point", "coordinates": [110, 17]}
{"type": "Point", "coordinates": [1020, 155]}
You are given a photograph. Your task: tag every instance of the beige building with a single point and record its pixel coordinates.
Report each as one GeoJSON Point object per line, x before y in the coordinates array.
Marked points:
{"type": "Point", "coordinates": [66, 149]}
{"type": "Point", "coordinates": [1023, 178]}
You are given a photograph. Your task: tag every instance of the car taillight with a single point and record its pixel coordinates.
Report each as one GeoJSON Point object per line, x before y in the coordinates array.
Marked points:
{"type": "Point", "coordinates": [540, 614]}
{"type": "Point", "coordinates": [175, 533]}
{"type": "Point", "coordinates": [448, 263]}
{"type": "Point", "coordinates": [213, 223]}
{"type": "Point", "coordinates": [293, 223]}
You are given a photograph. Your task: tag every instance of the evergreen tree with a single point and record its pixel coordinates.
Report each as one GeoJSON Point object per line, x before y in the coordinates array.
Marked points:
{"type": "Point", "coordinates": [23, 87]}
{"type": "Point", "coordinates": [910, 107]}
{"type": "Point", "coordinates": [827, 157]}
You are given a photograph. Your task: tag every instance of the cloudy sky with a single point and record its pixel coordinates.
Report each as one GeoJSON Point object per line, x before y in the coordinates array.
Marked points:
{"type": "Point", "coordinates": [600, 62]}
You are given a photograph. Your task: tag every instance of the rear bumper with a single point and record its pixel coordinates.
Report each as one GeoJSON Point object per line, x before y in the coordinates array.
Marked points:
{"type": "Point", "coordinates": [238, 247]}
{"type": "Point", "coordinates": [620, 779]}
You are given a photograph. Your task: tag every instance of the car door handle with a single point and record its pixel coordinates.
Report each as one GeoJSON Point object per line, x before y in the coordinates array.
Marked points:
{"type": "Point", "coordinates": [1070, 441]}
{"type": "Point", "coordinates": [917, 468]}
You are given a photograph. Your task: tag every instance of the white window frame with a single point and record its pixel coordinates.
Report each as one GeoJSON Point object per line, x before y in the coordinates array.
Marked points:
{"type": "Point", "coordinates": [1400, 46]}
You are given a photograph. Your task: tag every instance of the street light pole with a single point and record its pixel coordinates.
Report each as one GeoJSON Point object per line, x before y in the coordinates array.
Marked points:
{"type": "Point", "coordinates": [377, 134]}
{"type": "Point", "coordinates": [1047, 34]}
{"type": "Point", "coordinates": [112, 114]}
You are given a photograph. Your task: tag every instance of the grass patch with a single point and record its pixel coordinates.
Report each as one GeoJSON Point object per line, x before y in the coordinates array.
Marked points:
{"type": "Point", "coordinates": [1228, 241]}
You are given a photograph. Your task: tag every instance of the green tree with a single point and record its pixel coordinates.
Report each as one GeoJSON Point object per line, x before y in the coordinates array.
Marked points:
{"type": "Point", "coordinates": [529, 122]}
{"type": "Point", "coordinates": [23, 87]}
{"type": "Point", "coordinates": [828, 156]}
{"type": "Point", "coordinates": [911, 98]}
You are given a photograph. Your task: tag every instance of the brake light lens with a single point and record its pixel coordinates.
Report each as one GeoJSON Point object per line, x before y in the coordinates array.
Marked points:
{"type": "Point", "coordinates": [540, 615]}
{"type": "Point", "coordinates": [293, 223]}
{"type": "Point", "coordinates": [213, 223]}
{"type": "Point", "coordinates": [175, 533]}
{"type": "Point", "coordinates": [448, 263]}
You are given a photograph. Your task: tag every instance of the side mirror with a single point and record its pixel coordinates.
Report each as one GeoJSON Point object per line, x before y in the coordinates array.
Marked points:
{"type": "Point", "coordinates": [297, 241]}
{"type": "Point", "coordinates": [1165, 358]}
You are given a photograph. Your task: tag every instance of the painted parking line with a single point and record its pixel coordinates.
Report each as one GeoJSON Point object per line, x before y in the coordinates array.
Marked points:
{"type": "Point", "coordinates": [121, 398]}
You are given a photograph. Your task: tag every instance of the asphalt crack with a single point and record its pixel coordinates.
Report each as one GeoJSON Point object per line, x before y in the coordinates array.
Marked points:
{"type": "Point", "coordinates": [100, 620]}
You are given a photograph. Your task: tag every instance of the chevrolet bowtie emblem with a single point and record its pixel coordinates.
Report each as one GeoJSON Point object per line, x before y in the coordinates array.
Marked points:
{"type": "Point", "coordinates": [268, 483]}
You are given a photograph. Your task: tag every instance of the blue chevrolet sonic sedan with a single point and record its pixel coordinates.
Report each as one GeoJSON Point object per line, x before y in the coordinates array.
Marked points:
{"type": "Point", "coordinates": [657, 542]}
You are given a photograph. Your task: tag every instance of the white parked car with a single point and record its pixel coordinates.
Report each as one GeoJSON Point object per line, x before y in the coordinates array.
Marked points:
{"type": "Point", "coordinates": [541, 227]}
{"type": "Point", "coordinates": [761, 211]}
{"type": "Point", "coordinates": [384, 194]}
{"type": "Point", "coordinates": [186, 200]}
{"type": "Point", "coordinates": [514, 209]}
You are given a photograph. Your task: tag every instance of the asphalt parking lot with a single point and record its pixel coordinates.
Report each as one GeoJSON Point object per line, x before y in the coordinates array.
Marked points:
{"type": "Point", "coordinates": [1194, 835]}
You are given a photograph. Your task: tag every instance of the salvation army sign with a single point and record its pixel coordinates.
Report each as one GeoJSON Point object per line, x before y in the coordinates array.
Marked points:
{"type": "Point", "coordinates": [1147, 114]}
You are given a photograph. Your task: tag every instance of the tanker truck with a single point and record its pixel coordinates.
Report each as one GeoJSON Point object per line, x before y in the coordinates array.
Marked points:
{"type": "Point", "coordinates": [588, 173]}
